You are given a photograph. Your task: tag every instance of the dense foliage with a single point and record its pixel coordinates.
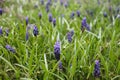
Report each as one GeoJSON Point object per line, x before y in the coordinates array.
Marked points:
{"type": "Point", "coordinates": [59, 39]}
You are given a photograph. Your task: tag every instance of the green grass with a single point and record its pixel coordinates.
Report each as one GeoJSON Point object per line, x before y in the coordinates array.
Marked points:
{"type": "Point", "coordinates": [34, 59]}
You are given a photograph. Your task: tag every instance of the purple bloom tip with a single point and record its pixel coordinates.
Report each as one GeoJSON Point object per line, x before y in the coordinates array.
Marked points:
{"type": "Point", "coordinates": [97, 68]}
{"type": "Point", "coordinates": [1, 32]}
{"type": "Point", "coordinates": [57, 50]}
{"type": "Point", "coordinates": [35, 31]}
{"type": "Point", "coordinates": [1, 11]}
{"type": "Point", "coordinates": [27, 20]}
{"type": "Point", "coordinates": [9, 48]}
{"type": "Point", "coordinates": [50, 17]}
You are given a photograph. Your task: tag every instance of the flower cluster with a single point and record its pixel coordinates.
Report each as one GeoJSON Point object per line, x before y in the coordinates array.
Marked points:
{"type": "Point", "coordinates": [69, 36]}
{"type": "Point", "coordinates": [35, 31]}
{"type": "Point", "coordinates": [54, 21]}
{"type": "Point", "coordinates": [9, 48]}
{"type": "Point", "coordinates": [1, 11]}
{"type": "Point", "coordinates": [85, 24]}
{"type": "Point", "coordinates": [50, 17]}
{"type": "Point", "coordinates": [40, 15]}
{"type": "Point", "coordinates": [1, 32]}
{"type": "Point", "coordinates": [27, 20]}
{"type": "Point", "coordinates": [97, 68]}
{"type": "Point", "coordinates": [57, 50]}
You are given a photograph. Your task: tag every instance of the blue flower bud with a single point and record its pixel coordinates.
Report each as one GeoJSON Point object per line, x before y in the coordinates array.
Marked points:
{"type": "Point", "coordinates": [42, 2]}
{"type": "Point", "coordinates": [1, 11]}
{"type": "Point", "coordinates": [1, 32]}
{"type": "Point", "coordinates": [78, 13]}
{"type": "Point", "coordinates": [50, 17]}
{"type": "Point", "coordinates": [105, 14]}
{"type": "Point", "coordinates": [61, 2]}
{"type": "Point", "coordinates": [57, 50]}
{"type": "Point", "coordinates": [66, 4]}
{"type": "Point", "coordinates": [7, 32]}
{"type": "Point", "coordinates": [84, 24]}
{"type": "Point", "coordinates": [9, 48]}
{"type": "Point", "coordinates": [60, 65]}
{"type": "Point", "coordinates": [72, 15]}
{"type": "Point", "coordinates": [27, 35]}
{"type": "Point", "coordinates": [47, 8]}
{"type": "Point", "coordinates": [40, 15]}
{"type": "Point", "coordinates": [72, 32]}
{"type": "Point", "coordinates": [27, 20]}
{"type": "Point", "coordinates": [97, 68]}
{"type": "Point", "coordinates": [54, 21]}
{"type": "Point", "coordinates": [35, 31]}
{"type": "Point", "coordinates": [69, 37]}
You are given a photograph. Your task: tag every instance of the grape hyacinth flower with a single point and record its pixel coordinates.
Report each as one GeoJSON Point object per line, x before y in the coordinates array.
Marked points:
{"type": "Point", "coordinates": [50, 17]}
{"type": "Point", "coordinates": [47, 8]}
{"type": "Point", "coordinates": [7, 32]}
{"type": "Point", "coordinates": [9, 48]}
{"type": "Point", "coordinates": [84, 22]}
{"type": "Point", "coordinates": [1, 11]}
{"type": "Point", "coordinates": [88, 27]}
{"type": "Point", "coordinates": [61, 2]}
{"type": "Point", "coordinates": [105, 14]}
{"type": "Point", "coordinates": [54, 21]}
{"type": "Point", "coordinates": [72, 15]}
{"type": "Point", "coordinates": [40, 15]}
{"type": "Point", "coordinates": [85, 25]}
{"type": "Point", "coordinates": [78, 13]}
{"type": "Point", "coordinates": [42, 2]}
{"type": "Point", "coordinates": [1, 32]}
{"type": "Point", "coordinates": [27, 35]}
{"type": "Point", "coordinates": [98, 1]}
{"type": "Point", "coordinates": [69, 37]}
{"type": "Point", "coordinates": [66, 4]}
{"type": "Point", "coordinates": [27, 20]}
{"type": "Point", "coordinates": [60, 65]}
{"type": "Point", "coordinates": [57, 50]}
{"type": "Point", "coordinates": [49, 2]}
{"type": "Point", "coordinates": [72, 32]}
{"type": "Point", "coordinates": [35, 31]}
{"type": "Point", "coordinates": [97, 68]}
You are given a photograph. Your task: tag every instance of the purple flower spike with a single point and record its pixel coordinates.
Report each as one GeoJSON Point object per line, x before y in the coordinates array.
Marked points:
{"type": "Point", "coordinates": [97, 68]}
{"type": "Point", "coordinates": [40, 15]}
{"type": "Point", "coordinates": [105, 14]}
{"type": "Point", "coordinates": [69, 36]}
{"type": "Point", "coordinates": [1, 11]}
{"type": "Point", "coordinates": [50, 17]}
{"type": "Point", "coordinates": [54, 21]}
{"type": "Point", "coordinates": [7, 32]}
{"type": "Point", "coordinates": [47, 8]}
{"type": "Point", "coordinates": [35, 31]}
{"type": "Point", "coordinates": [88, 27]}
{"type": "Point", "coordinates": [60, 65]}
{"type": "Point", "coordinates": [72, 32]}
{"type": "Point", "coordinates": [57, 50]}
{"type": "Point", "coordinates": [27, 35]}
{"type": "Point", "coordinates": [1, 32]}
{"type": "Point", "coordinates": [84, 22]}
{"type": "Point", "coordinates": [42, 2]}
{"type": "Point", "coordinates": [78, 13]}
{"type": "Point", "coordinates": [85, 25]}
{"type": "Point", "coordinates": [72, 15]}
{"type": "Point", "coordinates": [27, 20]}
{"type": "Point", "coordinates": [9, 48]}
{"type": "Point", "coordinates": [61, 2]}
{"type": "Point", "coordinates": [66, 5]}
